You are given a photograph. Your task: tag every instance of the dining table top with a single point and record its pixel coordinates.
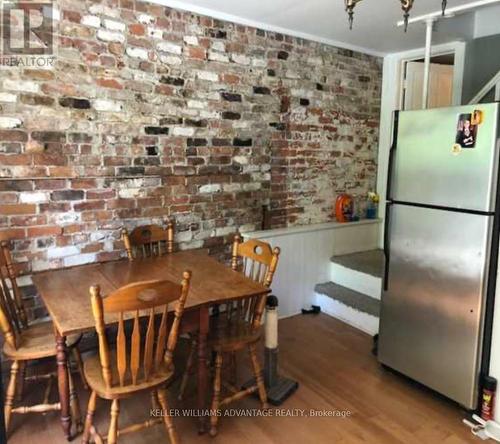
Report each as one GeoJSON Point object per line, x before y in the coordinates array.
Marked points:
{"type": "Point", "coordinates": [66, 295]}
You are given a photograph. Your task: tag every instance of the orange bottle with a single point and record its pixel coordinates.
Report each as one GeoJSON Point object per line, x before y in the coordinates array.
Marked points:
{"type": "Point", "coordinates": [344, 208]}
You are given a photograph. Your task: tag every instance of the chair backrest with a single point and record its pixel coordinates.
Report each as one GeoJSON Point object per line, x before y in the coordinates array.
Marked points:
{"type": "Point", "coordinates": [135, 301]}
{"type": "Point", "coordinates": [257, 261]}
{"type": "Point", "coordinates": [149, 240]}
{"type": "Point", "coordinates": [12, 314]}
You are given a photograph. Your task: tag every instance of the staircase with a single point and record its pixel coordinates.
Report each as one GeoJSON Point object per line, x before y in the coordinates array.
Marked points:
{"type": "Point", "coordinates": [492, 85]}
{"type": "Point", "coordinates": [353, 293]}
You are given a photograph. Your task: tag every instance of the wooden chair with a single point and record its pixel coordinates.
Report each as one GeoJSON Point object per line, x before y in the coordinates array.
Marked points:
{"type": "Point", "coordinates": [132, 367]}
{"type": "Point", "coordinates": [240, 325]}
{"type": "Point", "coordinates": [149, 240]}
{"type": "Point", "coordinates": [24, 342]}
{"type": "Point", "coordinates": [236, 325]}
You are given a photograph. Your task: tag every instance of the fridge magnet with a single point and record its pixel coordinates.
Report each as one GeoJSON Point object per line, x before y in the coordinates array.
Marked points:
{"type": "Point", "coordinates": [457, 149]}
{"type": "Point", "coordinates": [467, 129]}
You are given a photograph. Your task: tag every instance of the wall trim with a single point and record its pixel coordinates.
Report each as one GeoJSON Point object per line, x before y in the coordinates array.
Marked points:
{"type": "Point", "coordinates": [186, 6]}
{"type": "Point", "coordinates": [312, 228]}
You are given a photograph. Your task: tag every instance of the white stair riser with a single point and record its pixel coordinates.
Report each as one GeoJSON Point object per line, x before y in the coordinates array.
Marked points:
{"type": "Point", "coordinates": [362, 321]}
{"type": "Point", "coordinates": [356, 280]}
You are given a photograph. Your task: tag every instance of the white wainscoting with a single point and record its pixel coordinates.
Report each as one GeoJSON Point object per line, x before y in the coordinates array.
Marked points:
{"type": "Point", "coordinates": [305, 257]}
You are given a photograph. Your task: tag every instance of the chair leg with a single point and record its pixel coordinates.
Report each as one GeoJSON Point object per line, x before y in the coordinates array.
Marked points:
{"type": "Point", "coordinates": [234, 368]}
{"type": "Point", "coordinates": [167, 419]}
{"type": "Point", "coordinates": [214, 419]}
{"type": "Point", "coordinates": [189, 368]}
{"type": "Point", "coordinates": [154, 400]}
{"type": "Point", "coordinates": [22, 375]}
{"type": "Point", "coordinates": [10, 393]}
{"type": "Point", "coordinates": [258, 377]}
{"type": "Point", "coordinates": [90, 417]}
{"type": "Point", "coordinates": [74, 403]}
{"type": "Point", "coordinates": [79, 364]}
{"type": "Point", "coordinates": [113, 425]}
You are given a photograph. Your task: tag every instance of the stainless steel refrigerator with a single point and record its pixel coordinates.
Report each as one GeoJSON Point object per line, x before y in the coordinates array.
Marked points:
{"type": "Point", "coordinates": [441, 247]}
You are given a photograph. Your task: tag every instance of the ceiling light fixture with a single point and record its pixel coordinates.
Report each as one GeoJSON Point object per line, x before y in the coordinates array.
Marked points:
{"type": "Point", "coordinates": [349, 7]}
{"type": "Point", "coordinates": [406, 5]}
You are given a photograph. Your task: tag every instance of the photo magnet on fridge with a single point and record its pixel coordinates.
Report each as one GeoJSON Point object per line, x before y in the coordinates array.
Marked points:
{"type": "Point", "coordinates": [467, 129]}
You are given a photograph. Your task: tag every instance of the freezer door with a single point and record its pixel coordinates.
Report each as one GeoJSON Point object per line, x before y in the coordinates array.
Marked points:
{"type": "Point", "coordinates": [432, 308]}
{"type": "Point", "coordinates": [431, 168]}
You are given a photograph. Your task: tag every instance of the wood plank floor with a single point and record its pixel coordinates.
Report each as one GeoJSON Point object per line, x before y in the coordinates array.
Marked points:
{"type": "Point", "coordinates": [336, 371]}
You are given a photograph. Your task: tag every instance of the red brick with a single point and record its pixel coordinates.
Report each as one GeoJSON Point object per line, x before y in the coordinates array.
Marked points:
{"type": "Point", "coordinates": [15, 159]}
{"type": "Point", "coordinates": [109, 256]}
{"type": "Point", "coordinates": [13, 136]}
{"type": "Point", "coordinates": [50, 184]}
{"type": "Point", "coordinates": [195, 52]}
{"type": "Point", "coordinates": [89, 205]}
{"type": "Point", "coordinates": [116, 48]}
{"type": "Point", "coordinates": [231, 79]}
{"type": "Point", "coordinates": [165, 90]}
{"type": "Point", "coordinates": [89, 216]}
{"type": "Point", "coordinates": [92, 248]}
{"type": "Point", "coordinates": [24, 221]}
{"type": "Point", "coordinates": [136, 29]}
{"type": "Point", "coordinates": [61, 171]}
{"type": "Point", "coordinates": [39, 74]}
{"type": "Point", "coordinates": [72, 16]}
{"type": "Point", "coordinates": [49, 159]}
{"type": "Point", "coordinates": [109, 83]}
{"type": "Point", "coordinates": [44, 231]}
{"type": "Point", "coordinates": [83, 184]}
{"type": "Point", "coordinates": [101, 194]}
{"type": "Point", "coordinates": [75, 228]}
{"type": "Point", "coordinates": [59, 87]}
{"type": "Point", "coordinates": [8, 198]}
{"type": "Point", "coordinates": [12, 233]}
{"type": "Point", "coordinates": [18, 209]}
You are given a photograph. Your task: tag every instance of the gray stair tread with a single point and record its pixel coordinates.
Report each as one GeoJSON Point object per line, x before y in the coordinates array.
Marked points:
{"type": "Point", "coordinates": [369, 262]}
{"type": "Point", "coordinates": [351, 298]}
{"type": "Point", "coordinates": [28, 291]}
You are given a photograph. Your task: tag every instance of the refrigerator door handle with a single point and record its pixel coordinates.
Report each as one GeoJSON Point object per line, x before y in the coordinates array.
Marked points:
{"type": "Point", "coordinates": [387, 244]}
{"type": "Point", "coordinates": [392, 153]}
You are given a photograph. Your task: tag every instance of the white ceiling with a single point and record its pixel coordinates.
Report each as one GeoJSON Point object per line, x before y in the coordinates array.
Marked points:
{"type": "Point", "coordinates": [375, 29]}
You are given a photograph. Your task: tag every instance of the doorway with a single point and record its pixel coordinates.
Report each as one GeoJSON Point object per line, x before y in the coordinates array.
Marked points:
{"type": "Point", "coordinates": [441, 79]}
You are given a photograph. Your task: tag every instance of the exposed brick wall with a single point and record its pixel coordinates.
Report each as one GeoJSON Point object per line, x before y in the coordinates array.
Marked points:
{"type": "Point", "coordinates": [152, 112]}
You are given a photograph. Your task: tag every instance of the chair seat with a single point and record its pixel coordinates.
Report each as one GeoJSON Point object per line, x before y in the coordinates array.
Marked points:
{"type": "Point", "coordinates": [227, 336]}
{"type": "Point", "coordinates": [93, 374]}
{"type": "Point", "coordinates": [37, 342]}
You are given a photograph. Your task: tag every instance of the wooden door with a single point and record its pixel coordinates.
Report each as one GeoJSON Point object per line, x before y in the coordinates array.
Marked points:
{"type": "Point", "coordinates": [440, 85]}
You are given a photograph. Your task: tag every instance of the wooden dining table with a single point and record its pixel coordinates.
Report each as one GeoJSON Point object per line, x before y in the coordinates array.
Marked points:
{"type": "Point", "coordinates": [65, 293]}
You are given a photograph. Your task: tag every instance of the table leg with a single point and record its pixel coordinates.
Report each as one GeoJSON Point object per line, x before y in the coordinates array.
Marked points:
{"type": "Point", "coordinates": [63, 384]}
{"type": "Point", "coordinates": [202, 366]}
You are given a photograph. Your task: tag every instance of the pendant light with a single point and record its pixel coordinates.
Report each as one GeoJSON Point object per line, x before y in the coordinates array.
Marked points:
{"type": "Point", "coordinates": [349, 7]}
{"type": "Point", "coordinates": [443, 5]}
{"type": "Point", "coordinates": [406, 5]}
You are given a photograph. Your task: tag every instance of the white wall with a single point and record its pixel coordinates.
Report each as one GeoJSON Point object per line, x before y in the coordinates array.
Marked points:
{"type": "Point", "coordinates": [487, 22]}
{"type": "Point", "coordinates": [305, 257]}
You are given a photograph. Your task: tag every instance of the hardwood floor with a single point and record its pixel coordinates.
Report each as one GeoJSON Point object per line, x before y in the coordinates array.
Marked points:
{"type": "Point", "coordinates": [336, 371]}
